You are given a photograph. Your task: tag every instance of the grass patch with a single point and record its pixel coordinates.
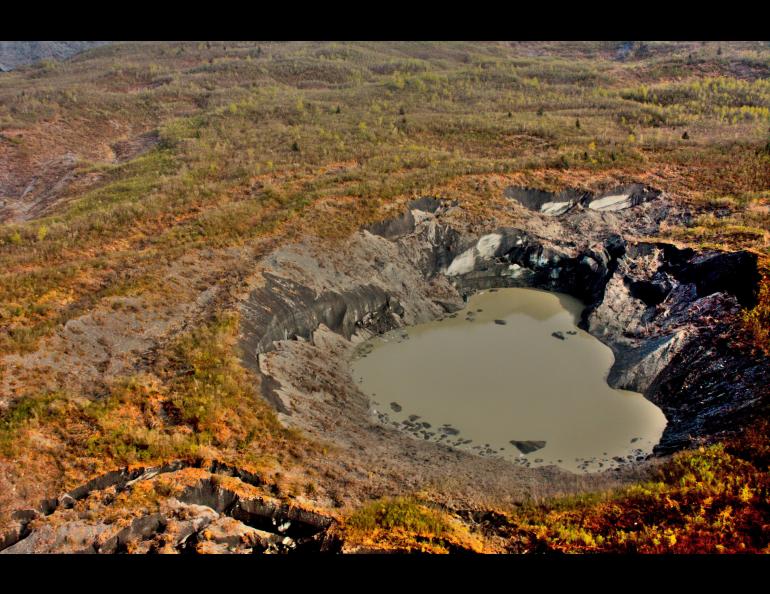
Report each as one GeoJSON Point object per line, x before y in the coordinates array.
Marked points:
{"type": "Point", "coordinates": [756, 321]}
{"type": "Point", "coordinates": [25, 413]}
{"type": "Point", "coordinates": [205, 404]}
{"type": "Point", "coordinates": [402, 513]}
{"type": "Point", "coordinates": [407, 524]}
{"type": "Point", "coordinates": [202, 404]}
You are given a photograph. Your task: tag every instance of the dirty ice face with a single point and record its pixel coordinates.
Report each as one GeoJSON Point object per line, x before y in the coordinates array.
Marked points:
{"type": "Point", "coordinates": [611, 203]}
{"type": "Point", "coordinates": [511, 375]}
{"type": "Point", "coordinates": [484, 249]}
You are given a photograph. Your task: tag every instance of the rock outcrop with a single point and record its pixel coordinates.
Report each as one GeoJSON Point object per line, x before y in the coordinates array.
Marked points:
{"type": "Point", "coordinates": [197, 510]}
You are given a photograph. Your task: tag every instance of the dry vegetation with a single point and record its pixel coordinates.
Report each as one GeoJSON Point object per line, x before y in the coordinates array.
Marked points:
{"type": "Point", "coordinates": [265, 140]}
{"type": "Point", "coordinates": [710, 500]}
{"type": "Point", "coordinates": [407, 525]}
{"type": "Point", "coordinates": [252, 134]}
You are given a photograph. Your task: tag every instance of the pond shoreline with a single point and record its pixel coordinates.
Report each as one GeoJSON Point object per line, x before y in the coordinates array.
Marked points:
{"type": "Point", "coordinates": [316, 305]}
{"type": "Point", "coordinates": [503, 386]}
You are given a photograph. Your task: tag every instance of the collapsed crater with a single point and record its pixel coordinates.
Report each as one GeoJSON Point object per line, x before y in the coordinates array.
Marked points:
{"type": "Point", "coordinates": [668, 315]}
{"type": "Point", "coordinates": [658, 308]}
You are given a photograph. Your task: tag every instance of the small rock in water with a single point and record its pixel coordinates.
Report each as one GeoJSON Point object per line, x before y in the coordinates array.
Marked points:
{"type": "Point", "coordinates": [395, 406]}
{"type": "Point", "coordinates": [413, 418]}
{"type": "Point", "coordinates": [558, 335]}
{"type": "Point", "coordinates": [571, 332]}
{"type": "Point", "coordinates": [450, 431]}
{"type": "Point", "coordinates": [527, 447]}
{"type": "Point", "coordinates": [635, 439]}
{"type": "Point", "coordinates": [425, 424]}
{"type": "Point", "coordinates": [501, 322]}
{"type": "Point", "coordinates": [479, 310]}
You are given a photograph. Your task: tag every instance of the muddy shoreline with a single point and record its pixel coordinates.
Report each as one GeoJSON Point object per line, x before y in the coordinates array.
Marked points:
{"type": "Point", "coordinates": [499, 390]}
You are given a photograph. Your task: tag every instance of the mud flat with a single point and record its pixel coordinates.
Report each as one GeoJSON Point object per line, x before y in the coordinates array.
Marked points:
{"type": "Point", "coordinates": [510, 375]}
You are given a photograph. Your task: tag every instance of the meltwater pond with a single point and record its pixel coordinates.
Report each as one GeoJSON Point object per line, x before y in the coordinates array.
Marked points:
{"type": "Point", "coordinates": [511, 375]}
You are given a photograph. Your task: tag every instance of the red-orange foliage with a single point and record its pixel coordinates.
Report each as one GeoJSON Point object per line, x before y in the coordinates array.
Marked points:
{"type": "Point", "coordinates": [710, 500]}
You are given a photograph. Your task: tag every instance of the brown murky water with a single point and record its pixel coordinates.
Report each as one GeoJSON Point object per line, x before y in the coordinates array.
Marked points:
{"type": "Point", "coordinates": [494, 373]}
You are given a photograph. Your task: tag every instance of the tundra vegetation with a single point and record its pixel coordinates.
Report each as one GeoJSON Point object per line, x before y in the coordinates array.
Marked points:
{"type": "Point", "coordinates": [193, 150]}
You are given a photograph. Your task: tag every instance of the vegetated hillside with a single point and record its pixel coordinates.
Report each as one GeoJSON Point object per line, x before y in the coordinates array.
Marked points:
{"type": "Point", "coordinates": [18, 53]}
{"type": "Point", "coordinates": [135, 177]}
